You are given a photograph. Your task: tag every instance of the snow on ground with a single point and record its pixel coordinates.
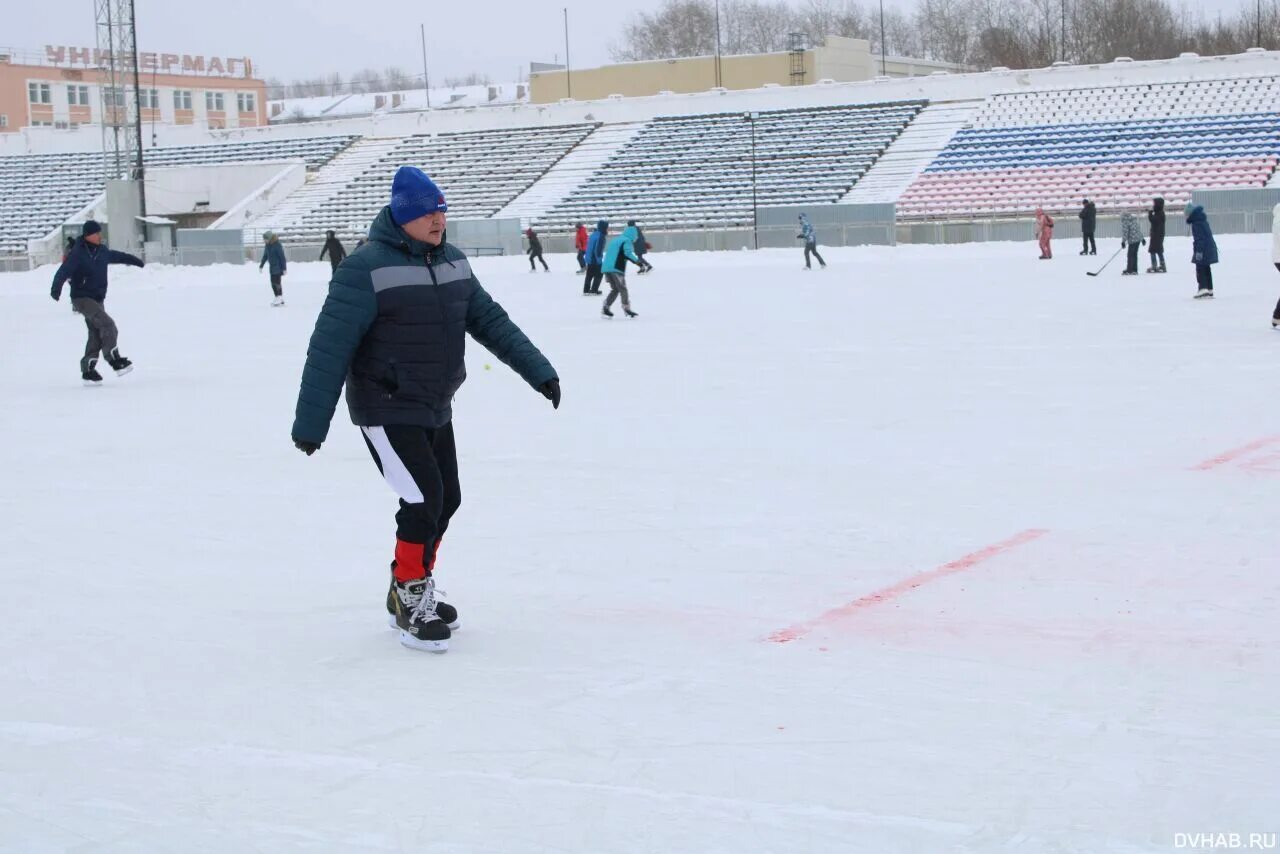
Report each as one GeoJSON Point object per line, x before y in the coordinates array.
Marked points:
{"type": "Point", "coordinates": [1017, 526]}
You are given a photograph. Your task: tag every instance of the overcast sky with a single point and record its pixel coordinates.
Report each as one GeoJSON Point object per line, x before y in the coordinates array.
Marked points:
{"type": "Point", "coordinates": [287, 38]}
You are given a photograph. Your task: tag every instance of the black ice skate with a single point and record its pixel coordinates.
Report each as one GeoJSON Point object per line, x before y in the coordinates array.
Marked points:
{"type": "Point", "coordinates": [605, 312]}
{"type": "Point", "coordinates": [420, 626]}
{"type": "Point", "coordinates": [444, 610]}
{"type": "Point", "coordinates": [630, 313]}
{"type": "Point", "coordinates": [1203, 293]}
{"type": "Point", "coordinates": [89, 372]}
{"type": "Point", "coordinates": [119, 363]}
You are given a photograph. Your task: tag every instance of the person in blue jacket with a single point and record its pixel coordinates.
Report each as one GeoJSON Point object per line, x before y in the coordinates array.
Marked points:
{"type": "Point", "coordinates": [616, 254]}
{"type": "Point", "coordinates": [86, 266]}
{"type": "Point", "coordinates": [1204, 249]}
{"type": "Point", "coordinates": [273, 254]}
{"type": "Point", "coordinates": [393, 331]}
{"type": "Point", "coordinates": [595, 258]}
{"type": "Point", "coordinates": [810, 238]}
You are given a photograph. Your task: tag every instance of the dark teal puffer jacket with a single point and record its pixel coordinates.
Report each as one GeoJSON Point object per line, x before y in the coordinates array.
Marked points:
{"type": "Point", "coordinates": [393, 329]}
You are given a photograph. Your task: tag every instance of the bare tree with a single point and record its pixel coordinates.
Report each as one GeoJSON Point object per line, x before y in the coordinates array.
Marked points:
{"type": "Point", "coordinates": [396, 78]}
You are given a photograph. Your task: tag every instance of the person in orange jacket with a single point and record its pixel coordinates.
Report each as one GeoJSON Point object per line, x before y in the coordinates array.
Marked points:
{"type": "Point", "coordinates": [1044, 233]}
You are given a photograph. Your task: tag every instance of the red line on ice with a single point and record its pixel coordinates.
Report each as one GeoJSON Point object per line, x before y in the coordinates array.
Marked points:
{"type": "Point", "coordinates": [1235, 454]}
{"type": "Point", "coordinates": [969, 561]}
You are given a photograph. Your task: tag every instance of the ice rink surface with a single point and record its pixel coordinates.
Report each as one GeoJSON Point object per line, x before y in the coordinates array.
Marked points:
{"type": "Point", "coordinates": [943, 549]}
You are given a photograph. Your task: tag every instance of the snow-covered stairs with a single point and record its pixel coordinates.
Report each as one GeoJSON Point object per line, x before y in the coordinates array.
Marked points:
{"type": "Point", "coordinates": [571, 172]}
{"type": "Point", "coordinates": [911, 153]}
{"type": "Point", "coordinates": [361, 156]}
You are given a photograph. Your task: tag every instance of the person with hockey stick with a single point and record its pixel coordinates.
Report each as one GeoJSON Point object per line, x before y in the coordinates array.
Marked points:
{"type": "Point", "coordinates": [1130, 238]}
{"type": "Point", "coordinates": [393, 330]}
{"type": "Point", "coordinates": [616, 254]}
{"type": "Point", "coordinates": [810, 238]}
{"type": "Point", "coordinates": [278, 265]}
{"type": "Point", "coordinates": [86, 267]}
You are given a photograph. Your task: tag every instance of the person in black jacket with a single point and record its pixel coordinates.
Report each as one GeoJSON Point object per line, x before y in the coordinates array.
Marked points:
{"type": "Point", "coordinates": [535, 251]}
{"type": "Point", "coordinates": [333, 248]}
{"type": "Point", "coordinates": [86, 267]}
{"type": "Point", "coordinates": [641, 248]}
{"type": "Point", "coordinates": [1088, 225]}
{"type": "Point", "coordinates": [1155, 246]}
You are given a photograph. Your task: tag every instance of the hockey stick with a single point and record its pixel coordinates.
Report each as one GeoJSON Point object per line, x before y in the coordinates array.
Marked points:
{"type": "Point", "coordinates": [1109, 260]}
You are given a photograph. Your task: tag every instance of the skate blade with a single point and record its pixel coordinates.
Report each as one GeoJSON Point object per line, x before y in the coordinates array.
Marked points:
{"type": "Point", "coordinates": [91, 384]}
{"type": "Point", "coordinates": [124, 371]}
{"type": "Point", "coordinates": [393, 625]}
{"type": "Point", "coordinates": [409, 641]}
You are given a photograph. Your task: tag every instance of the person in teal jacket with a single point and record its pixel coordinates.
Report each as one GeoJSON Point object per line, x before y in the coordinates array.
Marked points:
{"type": "Point", "coordinates": [616, 254]}
{"type": "Point", "coordinates": [392, 330]}
{"type": "Point", "coordinates": [277, 264]}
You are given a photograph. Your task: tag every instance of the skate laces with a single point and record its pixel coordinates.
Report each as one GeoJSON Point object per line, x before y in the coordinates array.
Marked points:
{"type": "Point", "coordinates": [424, 609]}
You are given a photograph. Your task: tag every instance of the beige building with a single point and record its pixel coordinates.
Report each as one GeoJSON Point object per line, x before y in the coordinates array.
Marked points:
{"type": "Point", "coordinates": [840, 59]}
{"type": "Point", "coordinates": [65, 87]}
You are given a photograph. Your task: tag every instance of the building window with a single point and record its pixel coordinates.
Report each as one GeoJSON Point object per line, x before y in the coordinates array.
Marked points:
{"type": "Point", "coordinates": [150, 99]}
{"type": "Point", "coordinates": [112, 96]}
{"type": "Point", "coordinates": [78, 96]}
{"type": "Point", "coordinates": [247, 102]}
{"type": "Point", "coordinates": [213, 102]}
{"type": "Point", "coordinates": [4, 120]}
{"type": "Point", "coordinates": [39, 93]}
{"type": "Point", "coordinates": [40, 124]}
{"type": "Point", "coordinates": [182, 99]}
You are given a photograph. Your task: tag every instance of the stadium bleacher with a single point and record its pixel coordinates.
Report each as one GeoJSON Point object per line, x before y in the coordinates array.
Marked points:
{"type": "Point", "coordinates": [38, 192]}
{"type": "Point", "coordinates": [684, 172]}
{"type": "Point", "coordinates": [1119, 146]}
{"type": "Point", "coordinates": [480, 172]}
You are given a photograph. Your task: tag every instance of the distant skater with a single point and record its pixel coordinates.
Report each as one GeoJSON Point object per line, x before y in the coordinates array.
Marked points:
{"type": "Point", "coordinates": [595, 258]}
{"type": "Point", "coordinates": [810, 238]}
{"type": "Point", "coordinates": [333, 248]}
{"type": "Point", "coordinates": [1155, 218]}
{"type": "Point", "coordinates": [1130, 238]}
{"type": "Point", "coordinates": [1088, 225]}
{"type": "Point", "coordinates": [86, 268]}
{"type": "Point", "coordinates": [277, 265]}
{"type": "Point", "coordinates": [1275, 258]}
{"type": "Point", "coordinates": [642, 249]}
{"type": "Point", "coordinates": [616, 254]}
{"type": "Point", "coordinates": [580, 244]}
{"type": "Point", "coordinates": [535, 251]}
{"type": "Point", "coordinates": [1044, 233]}
{"type": "Point", "coordinates": [1204, 249]}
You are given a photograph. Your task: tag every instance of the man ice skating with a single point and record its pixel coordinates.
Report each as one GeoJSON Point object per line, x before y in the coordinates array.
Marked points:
{"type": "Point", "coordinates": [1044, 234]}
{"type": "Point", "coordinates": [1155, 219]}
{"type": "Point", "coordinates": [616, 254]}
{"type": "Point", "coordinates": [1130, 238]}
{"type": "Point", "coordinates": [580, 244]}
{"type": "Point", "coordinates": [333, 248]}
{"type": "Point", "coordinates": [595, 258]}
{"type": "Point", "coordinates": [86, 267]}
{"type": "Point", "coordinates": [641, 247]}
{"type": "Point", "coordinates": [535, 251]}
{"type": "Point", "coordinates": [1088, 225]}
{"type": "Point", "coordinates": [810, 238]}
{"type": "Point", "coordinates": [392, 329]}
{"type": "Point", "coordinates": [1204, 249]}
{"type": "Point", "coordinates": [273, 255]}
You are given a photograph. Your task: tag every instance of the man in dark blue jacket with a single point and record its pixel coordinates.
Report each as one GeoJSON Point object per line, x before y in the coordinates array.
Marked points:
{"type": "Point", "coordinates": [595, 258]}
{"type": "Point", "coordinates": [273, 255]}
{"type": "Point", "coordinates": [1204, 249]}
{"type": "Point", "coordinates": [393, 330]}
{"type": "Point", "coordinates": [86, 267]}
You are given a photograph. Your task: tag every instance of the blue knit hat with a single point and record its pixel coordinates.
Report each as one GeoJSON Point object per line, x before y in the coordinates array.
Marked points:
{"type": "Point", "coordinates": [1189, 208]}
{"type": "Point", "coordinates": [90, 227]}
{"type": "Point", "coordinates": [414, 195]}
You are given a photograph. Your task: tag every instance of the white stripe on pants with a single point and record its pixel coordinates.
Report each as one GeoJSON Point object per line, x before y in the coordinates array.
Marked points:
{"type": "Point", "coordinates": [393, 469]}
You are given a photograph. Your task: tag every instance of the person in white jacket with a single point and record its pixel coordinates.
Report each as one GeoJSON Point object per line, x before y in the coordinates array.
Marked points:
{"type": "Point", "coordinates": [1275, 258]}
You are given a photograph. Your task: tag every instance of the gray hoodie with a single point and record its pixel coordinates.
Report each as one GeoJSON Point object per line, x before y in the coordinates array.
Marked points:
{"type": "Point", "coordinates": [1130, 232]}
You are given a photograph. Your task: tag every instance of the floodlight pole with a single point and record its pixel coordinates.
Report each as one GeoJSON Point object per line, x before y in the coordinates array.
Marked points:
{"type": "Point", "coordinates": [568, 75]}
{"type": "Point", "coordinates": [883, 49]}
{"type": "Point", "coordinates": [426, 81]}
{"type": "Point", "coordinates": [755, 209]}
{"type": "Point", "coordinates": [719, 77]}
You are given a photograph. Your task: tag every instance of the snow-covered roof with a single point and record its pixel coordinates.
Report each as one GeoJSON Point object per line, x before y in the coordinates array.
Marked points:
{"type": "Point", "coordinates": [408, 100]}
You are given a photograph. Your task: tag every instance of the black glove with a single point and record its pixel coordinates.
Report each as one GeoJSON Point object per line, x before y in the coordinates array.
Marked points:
{"type": "Point", "coordinates": [551, 391]}
{"type": "Point", "coordinates": [306, 447]}
{"type": "Point", "coordinates": [55, 296]}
